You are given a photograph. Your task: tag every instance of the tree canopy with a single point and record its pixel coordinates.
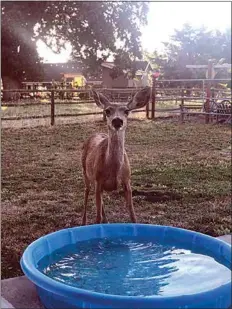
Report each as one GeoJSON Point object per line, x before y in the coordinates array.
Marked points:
{"type": "Point", "coordinates": [94, 29]}
{"type": "Point", "coordinates": [191, 45]}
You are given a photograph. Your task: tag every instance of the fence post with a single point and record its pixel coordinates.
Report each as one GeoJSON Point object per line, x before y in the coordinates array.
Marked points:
{"type": "Point", "coordinates": [208, 91]}
{"type": "Point", "coordinates": [147, 109]}
{"type": "Point", "coordinates": [182, 106]}
{"type": "Point", "coordinates": [207, 105]}
{"type": "Point", "coordinates": [33, 87]}
{"type": "Point", "coordinates": [103, 116]}
{"type": "Point", "coordinates": [52, 108]}
{"type": "Point", "coordinates": [212, 97]}
{"type": "Point", "coordinates": [203, 91]}
{"type": "Point", "coordinates": [153, 98]}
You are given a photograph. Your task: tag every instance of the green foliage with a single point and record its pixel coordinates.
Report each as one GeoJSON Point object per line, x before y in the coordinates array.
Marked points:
{"type": "Point", "coordinates": [193, 46]}
{"type": "Point", "coordinates": [92, 28]}
{"type": "Point", "coordinates": [157, 60]}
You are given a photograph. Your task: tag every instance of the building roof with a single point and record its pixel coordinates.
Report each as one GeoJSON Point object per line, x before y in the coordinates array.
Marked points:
{"type": "Point", "coordinates": [140, 65]}
{"type": "Point", "coordinates": [108, 65]}
{"type": "Point", "coordinates": [56, 70]}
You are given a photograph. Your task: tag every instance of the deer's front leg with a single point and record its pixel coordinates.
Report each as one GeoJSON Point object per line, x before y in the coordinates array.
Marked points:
{"type": "Point", "coordinates": [129, 201]}
{"type": "Point", "coordinates": [98, 198]}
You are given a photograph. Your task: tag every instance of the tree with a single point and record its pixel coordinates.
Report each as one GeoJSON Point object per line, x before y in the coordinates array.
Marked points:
{"type": "Point", "coordinates": [156, 59]}
{"type": "Point", "coordinates": [19, 58]}
{"type": "Point", "coordinates": [193, 46]}
{"type": "Point", "coordinates": [92, 28]}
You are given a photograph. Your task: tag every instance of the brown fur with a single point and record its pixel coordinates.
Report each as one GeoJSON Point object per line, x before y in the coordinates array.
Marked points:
{"type": "Point", "coordinates": [104, 160]}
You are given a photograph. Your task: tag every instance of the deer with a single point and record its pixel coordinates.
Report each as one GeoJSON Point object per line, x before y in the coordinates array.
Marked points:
{"type": "Point", "coordinates": [105, 163]}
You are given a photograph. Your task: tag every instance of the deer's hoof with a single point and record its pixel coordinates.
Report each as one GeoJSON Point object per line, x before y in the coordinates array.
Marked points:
{"type": "Point", "coordinates": [99, 220]}
{"type": "Point", "coordinates": [83, 222]}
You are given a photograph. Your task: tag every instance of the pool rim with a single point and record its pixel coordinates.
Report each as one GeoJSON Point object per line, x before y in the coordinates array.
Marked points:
{"type": "Point", "coordinates": [44, 282]}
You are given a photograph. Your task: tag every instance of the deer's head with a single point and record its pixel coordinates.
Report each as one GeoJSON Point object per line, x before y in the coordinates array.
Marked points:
{"type": "Point", "coordinates": [117, 113]}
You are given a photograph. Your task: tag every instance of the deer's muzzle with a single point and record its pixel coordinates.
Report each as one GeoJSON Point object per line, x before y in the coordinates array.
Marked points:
{"type": "Point", "coordinates": [117, 123]}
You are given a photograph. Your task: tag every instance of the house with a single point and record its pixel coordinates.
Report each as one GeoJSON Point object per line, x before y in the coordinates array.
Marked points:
{"type": "Point", "coordinates": [123, 81]}
{"type": "Point", "coordinates": [60, 71]}
{"type": "Point", "coordinates": [95, 82]}
{"type": "Point", "coordinates": [70, 72]}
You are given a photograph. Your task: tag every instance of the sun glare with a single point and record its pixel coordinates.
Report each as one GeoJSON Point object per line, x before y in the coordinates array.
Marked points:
{"type": "Point", "coordinates": [49, 56]}
{"type": "Point", "coordinates": [164, 17]}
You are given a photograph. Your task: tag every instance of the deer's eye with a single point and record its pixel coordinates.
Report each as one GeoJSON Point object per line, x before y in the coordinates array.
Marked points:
{"type": "Point", "coordinates": [107, 112]}
{"type": "Point", "coordinates": [126, 112]}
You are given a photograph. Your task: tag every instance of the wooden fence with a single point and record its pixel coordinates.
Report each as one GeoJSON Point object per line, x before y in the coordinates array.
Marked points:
{"type": "Point", "coordinates": [53, 100]}
{"type": "Point", "coordinates": [187, 101]}
{"type": "Point", "coordinates": [205, 91]}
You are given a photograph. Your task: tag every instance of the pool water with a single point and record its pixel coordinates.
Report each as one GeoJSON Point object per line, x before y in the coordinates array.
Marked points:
{"type": "Point", "coordinates": [132, 267]}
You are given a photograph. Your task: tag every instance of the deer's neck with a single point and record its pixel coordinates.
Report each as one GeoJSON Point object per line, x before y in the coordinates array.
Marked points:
{"type": "Point", "coordinates": [115, 150]}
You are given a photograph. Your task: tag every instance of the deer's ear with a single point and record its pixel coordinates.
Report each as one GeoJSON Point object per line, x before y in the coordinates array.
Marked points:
{"type": "Point", "coordinates": [140, 99]}
{"type": "Point", "coordinates": [100, 99]}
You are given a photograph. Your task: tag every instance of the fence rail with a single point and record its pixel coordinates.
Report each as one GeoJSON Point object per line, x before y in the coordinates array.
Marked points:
{"type": "Point", "coordinates": [123, 94]}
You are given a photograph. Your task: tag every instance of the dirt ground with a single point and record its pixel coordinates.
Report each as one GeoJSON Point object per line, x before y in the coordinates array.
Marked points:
{"type": "Point", "coordinates": [181, 176]}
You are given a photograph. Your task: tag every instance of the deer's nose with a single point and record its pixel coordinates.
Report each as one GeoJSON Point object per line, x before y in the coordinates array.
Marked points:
{"type": "Point", "coordinates": [117, 123]}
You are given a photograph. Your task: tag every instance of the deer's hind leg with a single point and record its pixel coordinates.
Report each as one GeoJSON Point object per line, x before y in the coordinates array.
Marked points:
{"type": "Point", "coordinates": [105, 220]}
{"type": "Point", "coordinates": [87, 190]}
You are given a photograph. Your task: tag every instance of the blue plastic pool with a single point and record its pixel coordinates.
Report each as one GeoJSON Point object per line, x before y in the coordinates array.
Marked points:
{"type": "Point", "coordinates": [142, 266]}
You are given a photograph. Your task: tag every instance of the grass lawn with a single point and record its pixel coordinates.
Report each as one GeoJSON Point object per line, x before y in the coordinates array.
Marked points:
{"type": "Point", "coordinates": [181, 176]}
{"type": "Point", "coordinates": [45, 109]}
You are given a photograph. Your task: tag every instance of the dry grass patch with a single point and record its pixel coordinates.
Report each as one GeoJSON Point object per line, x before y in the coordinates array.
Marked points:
{"type": "Point", "coordinates": [181, 176]}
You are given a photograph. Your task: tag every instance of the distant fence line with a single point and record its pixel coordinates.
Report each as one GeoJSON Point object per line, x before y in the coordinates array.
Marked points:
{"type": "Point", "coordinates": [123, 94]}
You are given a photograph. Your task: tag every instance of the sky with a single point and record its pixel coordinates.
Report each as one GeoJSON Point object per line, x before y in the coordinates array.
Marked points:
{"type": "Point", "coordinates": [163, 18]}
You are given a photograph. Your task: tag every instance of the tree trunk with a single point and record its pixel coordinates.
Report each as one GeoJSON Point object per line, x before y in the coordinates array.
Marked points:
{"type": "Point", "coordinates": [9, 83]}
